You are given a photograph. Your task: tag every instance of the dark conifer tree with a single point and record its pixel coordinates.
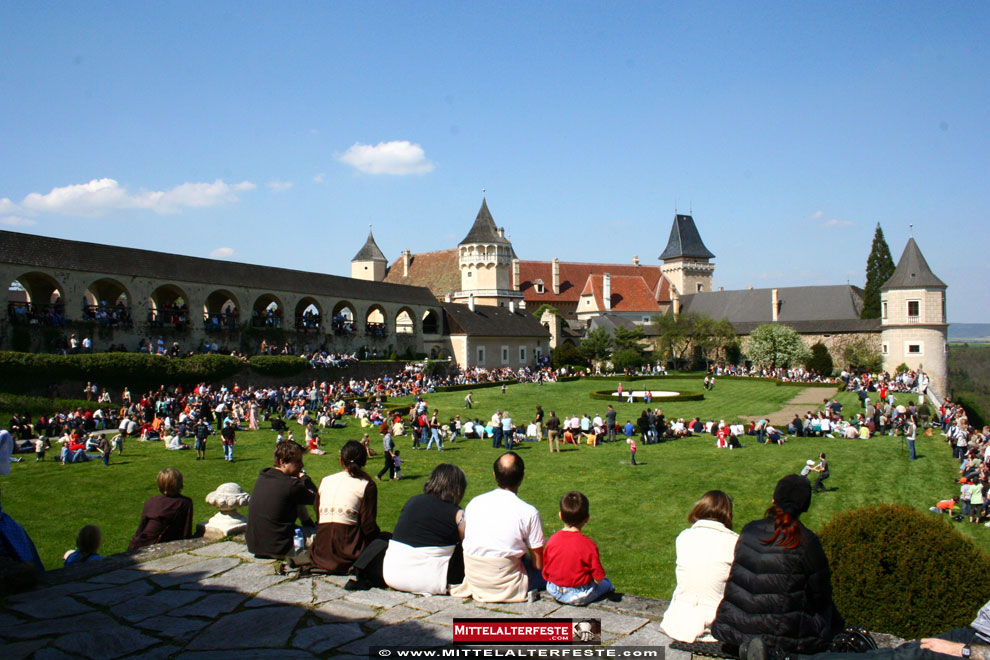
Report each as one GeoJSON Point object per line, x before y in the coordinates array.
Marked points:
{"type": "Point", "coordinates": [879, 267]}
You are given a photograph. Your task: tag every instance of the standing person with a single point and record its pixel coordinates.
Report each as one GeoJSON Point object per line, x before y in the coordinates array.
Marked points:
{"type": "Point", "coordinates": [228, 437]}
{"type": "Point", "coordinates": [704, 559]}
{"type": "Point", "coordinates": [276, 501]}
{"type": "Point", "coordinates": [503, 388]}
{"type": "Point", "coordinates": [497, 429]}
{"type": "Point", "coordinates": [610, 423]}
{"type": "Point", "coordinates": [389, 447]}
{"type": "Point", "coordinates": [253, 415]}
{"type": "Point", "coordinates": [202, 432]}
{"type": "Point", "coordinates": [538, 421]}
{"type": "Point", "coordinates": [435, 432]}
{"type": "Point", "coordinates": [632, 450]}
{"type": "Point", "coordinates": [823, 473]}
{"type": "Point", "coordinates": [507, 430]}
{"type": "Point", "coordinates": [779, 592]}
{"type": "Point", "coordinates": [910, 434]}
{"type": "Point", "coordinates": [103, 446]}
{"type": "Point", "coordinates": [500, 528]}
{"type": "Point", "coordinates": [468, 401]}
{"type": "Point", "coordinates": [553, 432]}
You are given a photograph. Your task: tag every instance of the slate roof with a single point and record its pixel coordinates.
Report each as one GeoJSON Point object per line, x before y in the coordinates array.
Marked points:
{"type": "Point", "coordinates": [829, 309]}
{"type": "Point", "coordinates": [435, 270]}
{"type": "Point", "coordinates": [574, 277]}
{"type": "Point", "coordinates": [912, 271]}
{"type": "Point", "coordinates": [629, 293]}
{"type": "Point", "coordinates": [55, 253]}
{"type": "Point", "coordinates": [484, 230]}
{"type": "Point", "coordinates": [491, 321]}
{"type": "Point", "coordinates": [370, 251]}
{"type": "Point", "coordinates": [685, 241]}
{"type": "Point", "coordinates": [609, 322]}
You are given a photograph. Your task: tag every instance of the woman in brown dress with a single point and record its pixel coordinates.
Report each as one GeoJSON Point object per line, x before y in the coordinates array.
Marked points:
{"type": "Point", "coordinates": [348, 507]}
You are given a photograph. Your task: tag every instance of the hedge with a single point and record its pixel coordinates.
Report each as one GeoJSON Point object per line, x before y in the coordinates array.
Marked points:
{"type": "Point", "coordinates": [278, 365]}
{"type": "Point", "coordinates": [37, 406]}
{"type": "Point", "coordinates": [904, 572]}
{"type": "Point", "coordinates": [607, 395]}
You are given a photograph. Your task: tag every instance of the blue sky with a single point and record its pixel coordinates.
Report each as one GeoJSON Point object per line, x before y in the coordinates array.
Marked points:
{"type": "Point", "coordinates": [275, 133]}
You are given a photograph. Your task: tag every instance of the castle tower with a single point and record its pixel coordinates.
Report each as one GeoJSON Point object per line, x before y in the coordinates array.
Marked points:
{"type": "Point", "coordinates": [912, 319]}
{"type": "Point", "coordinates": [369, 263]}
{"type": "Point", "coordinates": [484, 259]}
{"type": "Point", "coordinates": [686, 259]}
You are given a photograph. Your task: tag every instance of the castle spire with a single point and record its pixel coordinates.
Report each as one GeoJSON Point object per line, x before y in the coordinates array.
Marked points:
{"type": "Point", "coordinates": [370, 251]}
{"type": "Point", "coordinates": [912, 271]}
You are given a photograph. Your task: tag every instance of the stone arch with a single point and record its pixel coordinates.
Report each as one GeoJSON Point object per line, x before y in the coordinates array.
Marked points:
{"type": "Point", "coordinates": [267, 311]}
{"type": "Point", "coordinates": [431, 323]}
{"type": "Point", "coordinates": [375, 321]}
{"type": "Point", "coordinates": [309, 315]}
{"type": "Point", "coordinates": [168, 305]}
{"type": "Point", "coordinates": [108, 302]}
{"type": "Point", "coordinates": [342, 318]}
{"type": "Point", "coordinates": [36, 298]}
{"type": "Point", "coordinates": [221, 311]}
{"type": "Point", "coordinates": [405, 322]}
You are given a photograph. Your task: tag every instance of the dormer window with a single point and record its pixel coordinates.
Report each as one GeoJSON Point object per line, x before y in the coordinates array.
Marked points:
{"type": "Point", "coordinates": [539, 286]}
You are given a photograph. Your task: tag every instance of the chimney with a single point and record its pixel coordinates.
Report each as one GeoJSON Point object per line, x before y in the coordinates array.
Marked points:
{"type": "Point", "coordinates": [405, 263]}
{"type": "Point", "coordinates": [471, 302]}
{"type": "Point", "coordinates": [607, 291]}
{"type": "Point", "coordinates": [636, 260]}
{"type": "Point", "coordinates": [775, 305]}
{"type": "Point", "coordinates": [515, 274]}
{"type": "Point", "coordinates": [721, 288]}
{"type": "Point", "coordinates": [749, 288]}
{"type": "Point", "coordinates": [447, 298]}
{"type": "Point", "coordinates": [512, 307]}
{"type": "Point", "coordinates": [556, 276]}
{"type": "Point", "coordinates": [522, 304]}
{"type": "Point", "coordinates": [501, 232]}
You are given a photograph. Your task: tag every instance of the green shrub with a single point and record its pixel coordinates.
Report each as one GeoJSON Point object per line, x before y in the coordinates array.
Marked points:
{"type": "Point", "coordinates": [567, 355]}
{"type": "Point", "coordinates": [20, 338]}
{"type": "Point", "coordinates": [278, 365]}
{"type": "Point", "coordinates": [900, 571]}
{"type": "Point", "coordinates": [820, 361]}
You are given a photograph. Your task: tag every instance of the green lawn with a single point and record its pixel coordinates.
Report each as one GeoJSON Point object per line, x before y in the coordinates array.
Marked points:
{"type": "Point", "coordinates": [635, 511]}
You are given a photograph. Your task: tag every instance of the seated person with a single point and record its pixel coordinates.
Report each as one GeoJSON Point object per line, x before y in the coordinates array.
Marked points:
{"type": "Point", "coordinates": [276, 499]}
{"type": "Point", "coordinates": [424, 554]}
{"type": "Point", "coordinates": [496, 569]}
{"type": "Point", "coordinates": [87, 543]}
{"type": "Point", "coordinates": [628, 429]}
{"type": "Point", "coordinates": [572, 567]}
{"type": "Point", "coordinates": [167, 516]}
{"type": "Point", "coordinates": [20, 565]}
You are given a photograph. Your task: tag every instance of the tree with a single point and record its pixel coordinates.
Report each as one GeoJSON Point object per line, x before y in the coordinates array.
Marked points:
{"type": "Point", "coordinates": [628, 339]}
{"type": "Point", "coordinates": [820, 361]}
{"type": "Point", "coordinates": [546, 307]}
{"type": "Point", "coordinates": [862, 355]}
{"type": "Point", "coordinates": [627, 358]}
{"type": "Point", "coordinates": [774, 345]}
{"type": "Point", "coordinates": [674, 336]}
{"type": "Point", "coordinates": [879, 267]}
{"type": "Point", "coordinates": [597, 345]}
{"type": "Point", "coordinates": [566, 355]}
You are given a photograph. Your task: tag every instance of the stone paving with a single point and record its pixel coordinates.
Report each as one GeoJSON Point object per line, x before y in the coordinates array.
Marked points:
{"type": "Point", "coordinates": [213, 601]}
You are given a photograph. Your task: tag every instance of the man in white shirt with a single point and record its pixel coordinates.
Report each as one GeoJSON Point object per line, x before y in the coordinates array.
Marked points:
{"type": "Point", "coordinates": [500, 528]}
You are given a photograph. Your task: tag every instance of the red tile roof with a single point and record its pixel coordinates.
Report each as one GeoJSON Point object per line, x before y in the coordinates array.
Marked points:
{"type": "Point", "coordinates": [574, 276]}
{"type": "Point", "coordinates": [435, 270]}
{"type": "Point", "coordinates": [629, 293]}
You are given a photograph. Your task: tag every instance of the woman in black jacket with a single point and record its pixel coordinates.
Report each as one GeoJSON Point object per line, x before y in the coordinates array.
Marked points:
{"type": "Point", "coordinates": [779, 589]}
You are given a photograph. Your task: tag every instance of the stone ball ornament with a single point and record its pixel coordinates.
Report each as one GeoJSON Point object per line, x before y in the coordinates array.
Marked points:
{"type": "Point", "coordinates": [227, 522]}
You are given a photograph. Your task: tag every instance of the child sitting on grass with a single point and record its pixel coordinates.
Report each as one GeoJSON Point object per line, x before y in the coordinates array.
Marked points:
{"type": "Point", "coordinates": [571, 565]}
{"type": "Point", "coordinates": [87, 543]}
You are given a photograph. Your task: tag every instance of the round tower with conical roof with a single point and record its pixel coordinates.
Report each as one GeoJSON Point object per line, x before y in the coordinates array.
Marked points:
{"type": "Point", "coordinates": [686, 260]}
{"type": "Point", "coordinates": [484, 259]}
{"type": "Point", "coordinates": [912, 319]}
{"type": "Point", "coordinates": [369, 263]}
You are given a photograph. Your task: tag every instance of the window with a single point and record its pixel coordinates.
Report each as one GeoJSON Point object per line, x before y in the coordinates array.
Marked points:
{"type": "Point", "coordinates": [884, 349]}
{"type": "Point", "coordinates": [539, 286]}
{"type": "Point", "coordinates": [522, 354]}
{"type": "Point", "coordinates": [646, 319]}
{"type": "Point", "coordinates": [884, 304]}
{"type": "Point", "coordinates": [481, 355]}
{"type": "Point", "coordinates": [470, 273]}
{"type": "Point", "coordinates": [914, 308]}
{"type": "Point", "coordinates": [914, 349]}
{"type": "Point", "coordinates": [700, 287]}
{"type": "Point", "coordinates": [505, 355]}
{"type": "Point", "coordinates": [537, 352]}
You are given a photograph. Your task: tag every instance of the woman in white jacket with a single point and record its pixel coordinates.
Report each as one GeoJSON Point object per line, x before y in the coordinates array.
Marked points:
{"type": "Point", "coordinates": [704, 557]}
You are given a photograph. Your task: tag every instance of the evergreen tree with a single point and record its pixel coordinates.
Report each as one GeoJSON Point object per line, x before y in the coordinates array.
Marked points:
{"type": "Point", "coordinates": [879, 267]}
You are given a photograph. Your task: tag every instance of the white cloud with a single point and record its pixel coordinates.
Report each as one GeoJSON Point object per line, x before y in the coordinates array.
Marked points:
{"type": "Point", "coordinates": [819, 218]}
{"type": "Point", "coordinates": [222, 253]}
{"type": "Point", "coordinates": [835, 222]}
{"type": "Point", "coordinates": [17, 221]}
{"type": "Point", "coordinates": [399, 157]}
{"type": "Point", "coordinates": [279, 186]}
{"type": "Point", "coordinates": [101, 196]}
{"type": "Point", "coordinates": [817, 215]}
{"type": "Point", "coordinates": [7, 206]}
{"type": "Point", "coordinates": [318, 178]}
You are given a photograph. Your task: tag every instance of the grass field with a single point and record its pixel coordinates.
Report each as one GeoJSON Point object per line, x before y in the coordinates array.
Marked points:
{"type": "Point", "coordinates": [636, 512]}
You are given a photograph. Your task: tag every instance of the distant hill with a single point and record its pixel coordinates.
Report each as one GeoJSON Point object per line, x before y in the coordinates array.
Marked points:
{"type": "Point", "coordinates": [973, 332]}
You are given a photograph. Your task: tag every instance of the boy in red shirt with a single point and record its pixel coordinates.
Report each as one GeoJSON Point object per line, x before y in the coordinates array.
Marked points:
{"type": "Point", "coordinates": [571, 566]}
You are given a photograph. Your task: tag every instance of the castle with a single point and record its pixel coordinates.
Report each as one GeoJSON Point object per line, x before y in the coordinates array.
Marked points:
{"type": "Point", "coordinates": [484, 270]}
